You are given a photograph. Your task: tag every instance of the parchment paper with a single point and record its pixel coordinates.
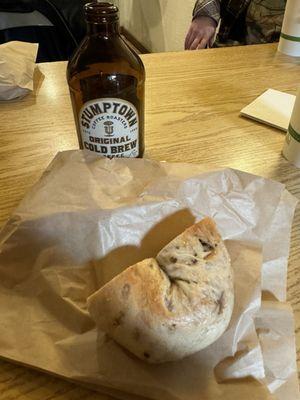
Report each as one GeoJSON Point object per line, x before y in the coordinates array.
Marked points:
{"type": "Point", "coordinates": [17, 63]}
{"type": "Point", "coordinates": [89, 218]}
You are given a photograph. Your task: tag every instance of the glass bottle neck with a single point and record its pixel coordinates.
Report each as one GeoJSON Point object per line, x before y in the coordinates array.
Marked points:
{"type": "Point", "coordinates": [103, 28]}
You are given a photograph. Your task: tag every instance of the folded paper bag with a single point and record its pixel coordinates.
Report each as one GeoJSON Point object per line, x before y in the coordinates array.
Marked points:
{"type": "Point", "coordinates": [70, 236]}
{"type": "Point", "coordinates": [17, 63]}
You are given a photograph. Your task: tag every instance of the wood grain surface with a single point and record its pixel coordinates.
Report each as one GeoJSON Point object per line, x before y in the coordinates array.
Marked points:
{"type": "Point", "coordinates": [193, 101]}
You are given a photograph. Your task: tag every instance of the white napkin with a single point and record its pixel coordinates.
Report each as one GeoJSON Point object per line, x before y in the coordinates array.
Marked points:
{"type": "Point", "coordinates": [273, 108]}
{"type": "Point", "coordinates": [17, 63]}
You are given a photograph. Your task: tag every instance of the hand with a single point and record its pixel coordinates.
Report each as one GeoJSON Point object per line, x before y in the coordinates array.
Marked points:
{"type": "Point", "coordinates": [201, 33]}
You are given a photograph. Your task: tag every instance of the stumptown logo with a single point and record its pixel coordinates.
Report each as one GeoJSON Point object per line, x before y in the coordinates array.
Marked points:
{"type": "Point", "coordinates": [109, 128]}
{"type": "Point", "coordinates": [120, 109]}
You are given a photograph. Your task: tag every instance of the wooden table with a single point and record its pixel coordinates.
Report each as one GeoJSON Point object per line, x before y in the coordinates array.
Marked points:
{"type": "Point", "coordinates": [193, 101]}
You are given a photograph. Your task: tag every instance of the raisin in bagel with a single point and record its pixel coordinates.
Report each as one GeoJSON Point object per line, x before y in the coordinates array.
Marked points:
{"type": "Point", "coordinates": [167, 308]}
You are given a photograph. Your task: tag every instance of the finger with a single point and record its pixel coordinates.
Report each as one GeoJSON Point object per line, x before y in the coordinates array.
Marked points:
{"type": "Point", "coordinates": [187, 39]}
{"type": "Point", "coordinates": [212, 41]}
{"type": "Point", "coordinates": [203, 44]}
{"type": "Point", "coordinates": [192, 37]}
{"type": "Point", "coordinates": [195, 43]}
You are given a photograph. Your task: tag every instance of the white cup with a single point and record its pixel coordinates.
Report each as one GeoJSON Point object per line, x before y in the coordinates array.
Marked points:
{"type": "Point", "coordinates": [291, 149]}
{"type": "Point", "coordinates": [290, 34]}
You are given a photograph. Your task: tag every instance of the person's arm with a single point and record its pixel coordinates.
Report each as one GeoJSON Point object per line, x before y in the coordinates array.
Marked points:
{"type": "Point", "coordinates": [201, 33]}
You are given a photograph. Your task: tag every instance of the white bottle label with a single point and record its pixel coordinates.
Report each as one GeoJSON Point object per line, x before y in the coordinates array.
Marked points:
{"type": "Point", "coordinates": [110, 127]}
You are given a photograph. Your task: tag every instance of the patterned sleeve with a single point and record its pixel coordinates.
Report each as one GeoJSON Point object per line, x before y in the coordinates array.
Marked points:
{"type": "Point", "coordinates": [207, 8]}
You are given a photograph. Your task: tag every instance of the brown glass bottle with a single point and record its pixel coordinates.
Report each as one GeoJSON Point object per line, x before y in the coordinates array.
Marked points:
{"type": "Point", "coordinates": [106, 80]}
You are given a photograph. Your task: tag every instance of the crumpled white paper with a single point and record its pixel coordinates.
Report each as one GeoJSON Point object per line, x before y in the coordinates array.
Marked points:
{"type": "Point", "coordinates": [89, 218]}
{"type": "Point", "coordinates": [17, 63]}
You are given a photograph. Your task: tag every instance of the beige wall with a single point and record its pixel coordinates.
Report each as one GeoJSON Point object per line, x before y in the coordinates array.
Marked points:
{"type": "Point", "coordinates": [159, 25]}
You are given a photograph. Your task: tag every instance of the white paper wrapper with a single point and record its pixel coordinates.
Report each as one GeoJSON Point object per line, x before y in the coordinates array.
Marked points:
{"type": "Point", "coordinates": [17, 63]}
{"type": "Point", "coordinates": [275, 328]}
{"type": "Point", "coordinates": [291, 149]}
{"type": "Point", "coordinates": [290, 35]}
{"type": "Point", "coordinates": [88, 219]}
